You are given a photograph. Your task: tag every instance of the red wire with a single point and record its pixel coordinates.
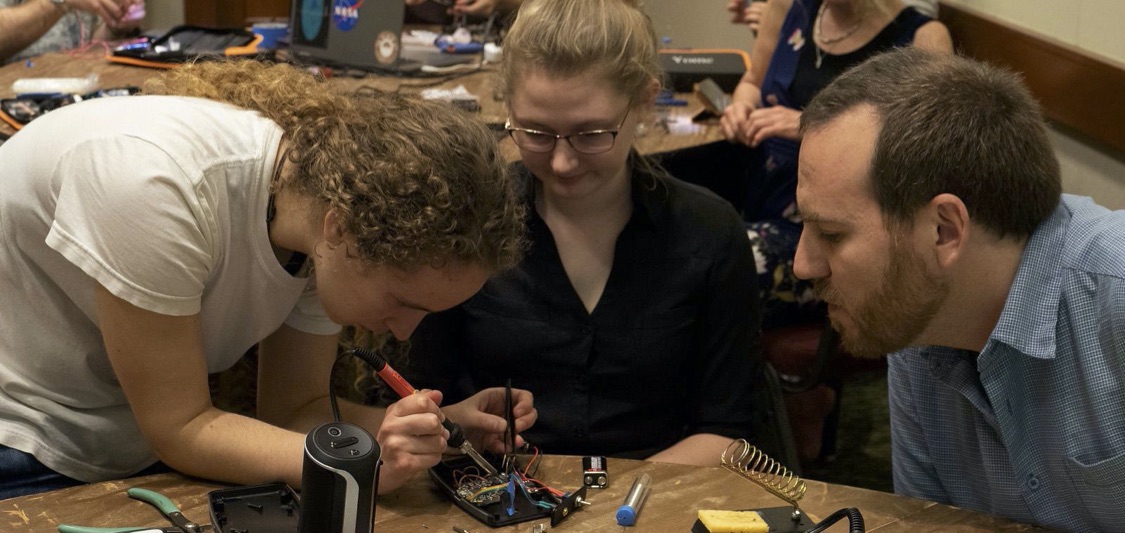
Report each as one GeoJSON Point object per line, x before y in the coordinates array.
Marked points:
{"type": "Point", "coordinates": [83, 44]}
{"type": "Point", "coordinates": [546, 487]}
{"type": "Point", "coordinates": [527, 468]}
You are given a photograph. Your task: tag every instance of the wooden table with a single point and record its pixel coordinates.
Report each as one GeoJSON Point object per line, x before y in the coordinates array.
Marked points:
{"type": "Point", "coordinates": [678, 492]}
{"type": "Point", "coordinates": [670, 128]}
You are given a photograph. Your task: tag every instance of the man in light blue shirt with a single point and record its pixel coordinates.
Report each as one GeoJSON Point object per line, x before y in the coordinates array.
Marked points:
{"type": "Point", "coordinates": [935, 229]}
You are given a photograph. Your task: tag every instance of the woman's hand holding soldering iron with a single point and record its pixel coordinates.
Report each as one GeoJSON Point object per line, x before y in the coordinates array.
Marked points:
{"type": "Point", "coordinates": [482, 417]}
{"type": "Point", "coordinates": [414, 432]}
{"type": "Point", "coordinates": [411, 438]}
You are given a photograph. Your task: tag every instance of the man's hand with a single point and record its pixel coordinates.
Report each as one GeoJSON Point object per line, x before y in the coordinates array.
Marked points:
{"type": "Point", "coordinates": [482, 417]}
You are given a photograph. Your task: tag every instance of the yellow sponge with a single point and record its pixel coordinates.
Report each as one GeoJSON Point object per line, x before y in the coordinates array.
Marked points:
{"type": "Point", "coordinates": [733, 522]}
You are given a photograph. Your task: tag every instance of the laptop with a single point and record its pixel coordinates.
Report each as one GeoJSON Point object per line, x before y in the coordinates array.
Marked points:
{"type": "Point", "coordinates": [362, 34]}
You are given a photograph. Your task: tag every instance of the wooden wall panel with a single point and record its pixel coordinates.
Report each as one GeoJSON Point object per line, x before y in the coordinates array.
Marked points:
{"type": "Point", "coordinates": [1081, 91]}
{"type": "Point", "coordinates": [267, 9]}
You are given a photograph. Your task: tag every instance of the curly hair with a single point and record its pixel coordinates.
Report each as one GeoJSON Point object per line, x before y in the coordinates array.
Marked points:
{"type": "Point", "coordinates": [416, 182]}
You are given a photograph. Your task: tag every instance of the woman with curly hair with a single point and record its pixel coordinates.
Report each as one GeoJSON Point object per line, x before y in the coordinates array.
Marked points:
{"type": "Point", "coordinates": [151, 240]}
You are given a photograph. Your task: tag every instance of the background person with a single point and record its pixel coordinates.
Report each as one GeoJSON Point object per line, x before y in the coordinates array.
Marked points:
{"type": "Point", "coordinates": [440, 11]}
{"type": "Point", "coordinates": [751, 12]}
{"type": "Point", "coordinates": [803, 45]}
{"type": "Point", "coordinates": [157, 247]}
{"type": "Point", "coordinates": [32, 27]}
{"type": "Point", "coordinates": [748, 12]}
{"type": "Point", "coordinates": [934, 229]}
{"type": "Point", "coordinates": [634, 318]}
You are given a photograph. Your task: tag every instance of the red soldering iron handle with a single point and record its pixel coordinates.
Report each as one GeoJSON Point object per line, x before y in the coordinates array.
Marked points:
{"type": "Point", "coordinates": [395, 380]}
{"type": "Point", "coordinates": [385, 372]}
{"type": "Point", "coordinates": [404, 389]}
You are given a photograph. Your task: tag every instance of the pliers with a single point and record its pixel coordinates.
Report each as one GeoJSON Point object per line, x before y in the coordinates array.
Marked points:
{"type": "Point", "coordinates": [166, 507]}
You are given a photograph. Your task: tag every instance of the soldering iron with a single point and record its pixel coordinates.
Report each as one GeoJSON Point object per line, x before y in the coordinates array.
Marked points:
{"type": "Point", "coordinates": [404, 389]}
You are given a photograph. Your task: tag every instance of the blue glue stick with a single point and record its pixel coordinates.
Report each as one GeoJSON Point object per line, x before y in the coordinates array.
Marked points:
{"type": "Point", "coordinates": [627, 513]}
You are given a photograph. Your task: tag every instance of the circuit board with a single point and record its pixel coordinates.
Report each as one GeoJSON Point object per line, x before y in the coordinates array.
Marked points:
{"type": "Point", "coordinates": [508, 497]}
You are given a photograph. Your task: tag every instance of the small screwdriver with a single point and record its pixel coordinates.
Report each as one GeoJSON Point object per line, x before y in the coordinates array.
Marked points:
{"type": "Point", "coordinates": [403, 388]}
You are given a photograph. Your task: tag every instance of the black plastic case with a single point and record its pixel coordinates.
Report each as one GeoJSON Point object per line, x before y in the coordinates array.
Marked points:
{"type": "Point", "coordinates": [493, 514]}
{"type": "Point", "coordinates": [273, 507]}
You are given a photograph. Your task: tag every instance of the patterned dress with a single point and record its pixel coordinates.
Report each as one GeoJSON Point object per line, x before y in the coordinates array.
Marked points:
{"type": "Point", "coordinates": [794, 77]}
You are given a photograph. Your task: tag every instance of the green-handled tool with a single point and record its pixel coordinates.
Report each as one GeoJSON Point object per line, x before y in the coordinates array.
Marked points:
{"type": "Point", "coordinates": [180, 523]}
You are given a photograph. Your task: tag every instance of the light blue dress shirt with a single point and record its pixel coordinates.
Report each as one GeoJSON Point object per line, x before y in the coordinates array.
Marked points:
{"type": "Point", "coordinates": [1033, 427]}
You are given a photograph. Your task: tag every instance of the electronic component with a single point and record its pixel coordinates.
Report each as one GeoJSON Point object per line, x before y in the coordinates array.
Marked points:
{"type": "Point", "coordinates": [509, 496]}
{"type": "Point", "coordinates": [495, 499]}
{"type": "Point", "coordinates": [713, 97]}
{"type": "Point", "coordinates": [570, 504]}
{"type": "Point", "coordinates": [482, 490]}
{"type": "Point", "coordinates": [595, 474]}
{"type": "Point", "coordinates": [399, 384]}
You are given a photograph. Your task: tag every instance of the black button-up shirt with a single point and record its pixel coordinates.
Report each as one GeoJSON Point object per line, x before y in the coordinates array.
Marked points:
{"type": "Point", "coordinates": [670, 350]}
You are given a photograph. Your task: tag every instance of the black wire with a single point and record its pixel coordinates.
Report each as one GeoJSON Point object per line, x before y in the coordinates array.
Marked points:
{"type": "Point", "coordinates": [855, 521]}
{"type": "Point", "coordinates": [332, 387]}
{"type": "Point", "coordinates": [439, 78]}
{"type": "Point", "coordinates": [510, 419]}
{"type": "Point", "coordinates": [369, 357]}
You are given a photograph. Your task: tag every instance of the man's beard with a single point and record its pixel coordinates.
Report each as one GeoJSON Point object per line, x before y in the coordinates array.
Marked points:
{"type": "Point", "coordinates": [897, 312]}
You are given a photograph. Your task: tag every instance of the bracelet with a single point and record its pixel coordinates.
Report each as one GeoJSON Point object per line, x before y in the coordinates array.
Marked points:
{"type": "Point", "coordinates": [61, 4]}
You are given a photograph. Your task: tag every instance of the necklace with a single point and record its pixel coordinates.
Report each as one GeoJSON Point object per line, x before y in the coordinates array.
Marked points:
{"type": "Point", "coordinates": [818, 36]}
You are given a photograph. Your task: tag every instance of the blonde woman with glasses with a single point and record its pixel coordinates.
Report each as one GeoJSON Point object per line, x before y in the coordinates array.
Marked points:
{"type": "Point", "coordinates": [634, 319]}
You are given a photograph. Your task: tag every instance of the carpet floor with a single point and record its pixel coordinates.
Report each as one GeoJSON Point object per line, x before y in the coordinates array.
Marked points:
{"type": "Point", "coordinates": [863, 440]}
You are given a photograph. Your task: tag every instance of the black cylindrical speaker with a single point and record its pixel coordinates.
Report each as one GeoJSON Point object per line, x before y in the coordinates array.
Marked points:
{"type": "Point", "coordinates": [339, 480]}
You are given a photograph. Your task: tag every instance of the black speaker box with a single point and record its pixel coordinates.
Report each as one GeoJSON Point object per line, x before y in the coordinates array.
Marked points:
{"type": "Point", "coordinates": [339, 480]}
{"type": "Point", "coordinates": [685, 68]}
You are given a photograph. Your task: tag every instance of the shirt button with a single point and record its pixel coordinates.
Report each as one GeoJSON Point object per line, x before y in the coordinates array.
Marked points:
{"type": "Point", "coordinates": [580, 433]}
{"type": "Point", "coordinates": [1032, 482]}
{"type": "Point", "coordinates": [587, 330]}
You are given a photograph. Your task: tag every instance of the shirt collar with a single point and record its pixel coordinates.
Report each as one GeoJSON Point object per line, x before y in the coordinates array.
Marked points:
{"type": "Point", "coordinates": [650, 196]}
{"type": "Point", "coordinates": [649, 192]}
{"type": "Point", "coordinates": [1031, 311]}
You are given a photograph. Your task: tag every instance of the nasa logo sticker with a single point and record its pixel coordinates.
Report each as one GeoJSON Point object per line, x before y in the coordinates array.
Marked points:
{"type": "Point", "coordinates": [345, 14]}
{"type": "Point", "coordinates": [386, 47]}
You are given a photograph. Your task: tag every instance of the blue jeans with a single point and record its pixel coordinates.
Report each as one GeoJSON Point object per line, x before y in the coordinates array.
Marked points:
{"type": "Point", "coordinates": [22, 474]}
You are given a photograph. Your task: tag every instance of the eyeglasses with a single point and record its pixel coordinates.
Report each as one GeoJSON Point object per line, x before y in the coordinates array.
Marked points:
{"type": "Point", "coordinates": [583, 142]}
{"type": "Point", "coordinates": [24, 109]}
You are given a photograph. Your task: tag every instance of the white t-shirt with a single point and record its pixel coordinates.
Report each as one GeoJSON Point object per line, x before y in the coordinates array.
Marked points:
{"type": "Point", "coordinates": [160, 199]}
{"type": "Point", "coordinates": [925, 7]}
